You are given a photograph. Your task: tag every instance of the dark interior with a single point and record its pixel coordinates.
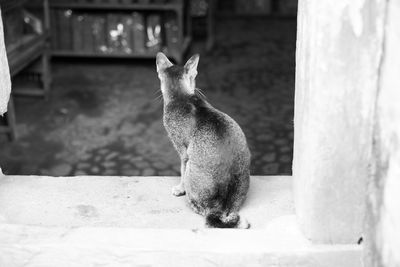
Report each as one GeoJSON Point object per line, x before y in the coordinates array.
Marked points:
{"type": "Point", "coordinates": [87, 102]}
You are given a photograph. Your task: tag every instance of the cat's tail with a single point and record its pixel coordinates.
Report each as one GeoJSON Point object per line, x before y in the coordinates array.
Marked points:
{"type": "Point", "coordinates": [218, 219]}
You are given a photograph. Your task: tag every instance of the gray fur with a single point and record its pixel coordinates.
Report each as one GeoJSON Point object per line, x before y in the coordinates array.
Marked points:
{"type": "Point", "coordinates": [215, 157]}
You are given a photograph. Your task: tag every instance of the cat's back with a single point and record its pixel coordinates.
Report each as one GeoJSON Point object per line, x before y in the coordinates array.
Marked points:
{"type": "Point", "coordinates": [204, 125]}
{"type": "Point", "coordinates": [217, 130]}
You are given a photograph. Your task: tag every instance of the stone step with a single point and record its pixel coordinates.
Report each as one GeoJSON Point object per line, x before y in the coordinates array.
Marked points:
{"type": "Point", "coordinates": [135, 221]}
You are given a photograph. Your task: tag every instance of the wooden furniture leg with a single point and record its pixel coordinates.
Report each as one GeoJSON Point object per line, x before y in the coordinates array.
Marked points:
{"type": "Point", "coordinates": [11, 125]}
{"type": "Point", "coordinates": [212, 4]}
{"type": "Point", "coordinates": [11, 120]}
{"type": "Point", "coordinates": [45, 75]}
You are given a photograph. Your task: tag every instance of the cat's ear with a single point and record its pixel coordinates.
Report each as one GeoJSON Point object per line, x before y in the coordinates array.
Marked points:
{"type": "Point", "coordinates": [162, 62]}
{"type": "Point", "coordinates": [191, 65]}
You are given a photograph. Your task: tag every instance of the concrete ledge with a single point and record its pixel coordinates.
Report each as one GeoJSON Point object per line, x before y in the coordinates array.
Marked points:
{"type": "Point", "coordinates": [55, 246]}
{"type": "Point", "coordinates": [135, 221]}
{"type": "Point", "coordinates": [135, 202]}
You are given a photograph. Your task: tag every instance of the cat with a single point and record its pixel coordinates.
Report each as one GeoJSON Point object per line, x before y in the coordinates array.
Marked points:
{"type": "Point", "coordinates": [215, 158]}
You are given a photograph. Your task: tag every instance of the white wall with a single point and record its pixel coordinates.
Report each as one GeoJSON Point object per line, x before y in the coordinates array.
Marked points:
{"type": "Point", "coordinates": [383, 205]}
{"type": "Point", "coordinates": [5, 84]}
{"type": "Point", "coordinates": [339, 48]}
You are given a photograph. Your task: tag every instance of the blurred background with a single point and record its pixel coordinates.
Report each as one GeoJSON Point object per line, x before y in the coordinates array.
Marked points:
{"type": "Point", "coordinates": [85, 89]}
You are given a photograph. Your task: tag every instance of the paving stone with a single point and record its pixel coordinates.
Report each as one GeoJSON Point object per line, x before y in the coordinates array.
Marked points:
{"type": "Point", "coordinates": [85, 156]}
{"type": "Point", "coordinates": [62, 169]}
{"type": "Point", "coordinates": [287, 169]}
{"type": "Point", "coordinates": [269, 157]}
{"type": "Point", "coordinates": [126, 157]}
{"type": "Point", "coordinates": [160, 165]}
{"type": "Point", "coordinates": [128, 129]}
{"type": "Point", "coordinates": [83, 165]}
{"type": "Point", "coordinates": [135, 159]}
{"type": "Point", "coordinates": [129, 170]}
{"type": "Point", "coordinates": [177, 168]}
{"type": "Point", "coordinates": [271, 168]}
{"type": "Point", "coordinates": [141, 149]}
{"type": "Point", "coordinates": [285, 148]}
{"type": "Point", "coordinates": [77, 143]}
{"type": "Point", "coordinates": [109, 172]}
{"type": "Point", "coordinates": [44, 172]}
{"type": "Point", "coordinates": [108, 164]}
{"type": "Point", "coordinates": [264, 123]}
{"type": "Point", "coordinates": [127, 166]}
{"type": "Point", "coordinates": [148, 172]}
{"type": "Point", "coordinates": [29, 169]}
{"type": "Point", "coordinates": [142, 164]}
{"type": "Point", "coordinates": [135, 173]}
{"type": "Point", "coordinates": [269, 147]}
{"type": "Point", "coordinates": [265, 137]}
{"type": "Point", "coordinates": [95, 169]}
{"type": "Point", "coordinates": [103, 151]}
{"type": "Point", "coordinates": [290, 126]}
{"type": "Point", "coordinates": [285, 158]}
{"type": "Point", "coordinates": [111, 156]}
{"type": "Point", "coordinates": [281, 141]}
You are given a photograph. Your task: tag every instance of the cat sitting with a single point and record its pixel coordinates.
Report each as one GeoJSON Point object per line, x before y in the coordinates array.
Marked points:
{"type": "Point", "coordinates": [215, 157]}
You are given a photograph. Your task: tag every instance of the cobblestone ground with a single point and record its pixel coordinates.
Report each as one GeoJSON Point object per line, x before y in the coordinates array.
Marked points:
{"type": "Point", "coordinates": [103, 117]}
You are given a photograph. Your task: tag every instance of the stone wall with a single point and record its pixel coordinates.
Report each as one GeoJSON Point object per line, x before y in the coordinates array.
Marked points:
{"type": "Point", "coordinates": [383, 203]}
{"type": "Point", "coordinates": [5, 83]}
{"type": "Point", "coordinates": [339, 45]}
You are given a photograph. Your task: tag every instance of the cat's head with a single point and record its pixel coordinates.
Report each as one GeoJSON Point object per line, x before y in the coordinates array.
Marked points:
{"type": "Point", "coordinates": [177, 80]}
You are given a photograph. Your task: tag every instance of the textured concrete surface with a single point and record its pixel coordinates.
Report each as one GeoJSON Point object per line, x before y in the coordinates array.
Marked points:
{"type": "Point", "coordinates": [118, 247]}
{"type": "Point", "coordinates": [135, 202]}
{"type": "Point", "coordinates": [103, 117]}
{"type": "Point", "coordinates": [338, 56]}
{"type": "Point", "coordinates": [135, 221]}
{"type": "Point", "coordinates": [383, 212]}
{"type": "Point", "coordinates": [5, 82]}
{"type": "Point", "coordinates": [281, 245]}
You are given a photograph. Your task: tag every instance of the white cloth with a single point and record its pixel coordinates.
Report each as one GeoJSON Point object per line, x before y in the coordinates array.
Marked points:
{"type": "Point", "coordinates": [5, 81]}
